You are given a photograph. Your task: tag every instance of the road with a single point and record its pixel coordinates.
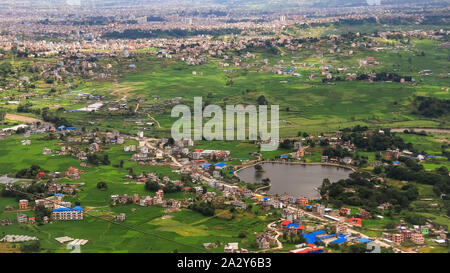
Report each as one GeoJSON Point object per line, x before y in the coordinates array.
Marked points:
{"type": "Point", "coordinates": [428, 130]}
{"type": "Point", "coordinates": [279, 244]}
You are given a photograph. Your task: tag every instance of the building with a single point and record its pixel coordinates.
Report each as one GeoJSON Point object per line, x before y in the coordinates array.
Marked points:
{"type": "Point", "coordinates": [65, 214]}
{"type": "Point", "coordinates": [398, 238]}
{"type": "Point", "coordinates": [302, 200]}
{"type": "Point", "coordinates": [318, 208]}
{"type": "Point", "coordinates": [120, 218]}
{"type": "Point", "coordinates": [364, 214]}
{"type": "Point", "coordinates": [231, 248]}
{"type": "Point", "coordinates": [340, 228]}
{"type": "Point", "coordinates": [344, 211]}
{"type": "Point", "coordinates": [160, 194]}
{"type": "Point", "coordinates": [73, 173]}
{"type": "Point", "coordinates": [22, 218]}
{"type": "Point", "coordinates": [263, 242]}
{"type": "Point", "coordinates": [357, 222]}
{"type": "Point", "coordinates": [23, 204]}
{"type": "Point", "coordinates": [417, 238]}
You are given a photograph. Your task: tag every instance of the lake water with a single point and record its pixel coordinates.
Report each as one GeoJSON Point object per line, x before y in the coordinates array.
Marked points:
{"type": "Point", "coordinates": [294, 179]}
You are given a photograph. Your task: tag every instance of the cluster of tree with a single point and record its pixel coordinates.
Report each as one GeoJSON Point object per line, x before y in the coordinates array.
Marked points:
{"type": "Point", "coordinates": [5, 69]}
{"type": "Point", "coordinates": [155, 19]}
{"type": "Point", "coordinates": [431, 107]}
{"type": "Point", "coordinates": [287, 144]}
{"type": "Point", "coordinates": [376, 141]}
{"type": "Point", "coordinates": [168, 33]}
{"type": "Point", "coordinates": [94, 159]}
{"type": "Point", "coordinates": [412, 171]}
{"type": "Point", "coordinates": [168, 187]}
{"type": "Point", "coordinates": [205, 208]}
{"type": "Point", "coordinates": [364, 194]}
{"type": "Point", "coordinates": [262, 100]}
{"type": "Point", "coordinates": [293, 238]}
{"type": "Point", "coordinates": [53, 118]}
{"type": "Point", "coordinates": [2, 114]}
{"type": "Point", "coordinates": [102, 186]}
{"type": "Point", "coordinates": [26, 108]}
{"type": "Point", "coordinates": [336, 152]}
{"type": "Point", "coordinates": [383, 76]}
{"type": "Point", "coordinates": [30, 172]}
{"type": "Point", "coordinates": [30, 247]}
{"type": "Point", "coordinates": [40, 212]}
{"type": "Point", "coordinates": [16, 192]}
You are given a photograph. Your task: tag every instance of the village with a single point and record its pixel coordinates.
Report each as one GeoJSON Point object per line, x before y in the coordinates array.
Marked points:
{"type": "Point", "coordinates": [87, 159]}
{"type": "Point", "coordinates": [204, 176]}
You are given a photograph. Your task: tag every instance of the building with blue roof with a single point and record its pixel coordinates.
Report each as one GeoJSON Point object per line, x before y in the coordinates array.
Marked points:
{"type": "Point", "coordinates": [220, 165]}
{"type": "Point", "coordinates": [311, 238]}
{"type": "Point", "coordinates": [65, 214]}
{"type": "Point", "coordinates": [364, 240]}
{"type": "Point", "coordinates": [339, 240]}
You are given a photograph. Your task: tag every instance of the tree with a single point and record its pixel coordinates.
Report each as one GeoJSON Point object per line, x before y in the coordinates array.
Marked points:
{"type": "Point", "coordinates": [152, 186]}
{"type": "Point", "coordinates": [102, 186]}
{"type": "Point", "coordinates": [262, 100]}
{"type": "Point", "coordinates": [2, 114]}
{"type": "Point", "coordinates": [30, 247]}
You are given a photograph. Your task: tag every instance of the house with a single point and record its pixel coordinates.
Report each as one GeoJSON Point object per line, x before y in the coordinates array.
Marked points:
{"type": "Point", "coordinates": [384, 206]}
{"type": "Point", "coordinates": [263, 242]}
{"type": "Point", "coordinates": [120, 217]}
{"type": "Point", "coordinates": [231, 248]}
{"type": "Point", "coordinates": [198, 190]}
{"type": "Point", "coordinates": [239, 204]}
{"type": "Point", "coordinates": [94, 147]}
{"type": "Point", "coordinates": [344, 211]}
{"type": "Point", "coordinates": [302, 200]}
{"type": "Point", "coordinates": [73, 173]}
{"type": "Point", "coordinates": [347, 160]}
{"type": "Point", "coordinates": [365, 214]}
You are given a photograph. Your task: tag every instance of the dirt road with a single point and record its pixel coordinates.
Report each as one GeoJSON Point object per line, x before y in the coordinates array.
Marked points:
{"type": "Point", "coordinates": [23, 119]}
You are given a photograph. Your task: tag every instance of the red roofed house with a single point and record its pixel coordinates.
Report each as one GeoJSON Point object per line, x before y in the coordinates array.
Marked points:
{"type": "Point", "coordinates": [73, 173]}
{"type": "Point", "coordinates": [357, 222]}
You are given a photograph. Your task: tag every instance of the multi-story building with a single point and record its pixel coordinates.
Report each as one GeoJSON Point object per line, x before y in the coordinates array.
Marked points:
{"type": "Point", "coordinates": [23, 204]}
{"type": "Point", "coordinates": [22, 218]}
{"type": "Point", "coordinates": [398, 238]}
{"type": "Point", "coordinates": [417, 238]}
{"type": "Point", "coordinates": [302, 200]}
{"type": "Point", "coordinates": [65, 214]}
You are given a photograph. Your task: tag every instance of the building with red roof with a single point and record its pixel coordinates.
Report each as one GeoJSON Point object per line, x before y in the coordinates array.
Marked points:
{"type": "Point", "coordinates": [357, 222]}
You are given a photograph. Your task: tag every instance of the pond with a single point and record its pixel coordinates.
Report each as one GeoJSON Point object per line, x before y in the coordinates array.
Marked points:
{"type": "Point", "coordinates": [294, 179]}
